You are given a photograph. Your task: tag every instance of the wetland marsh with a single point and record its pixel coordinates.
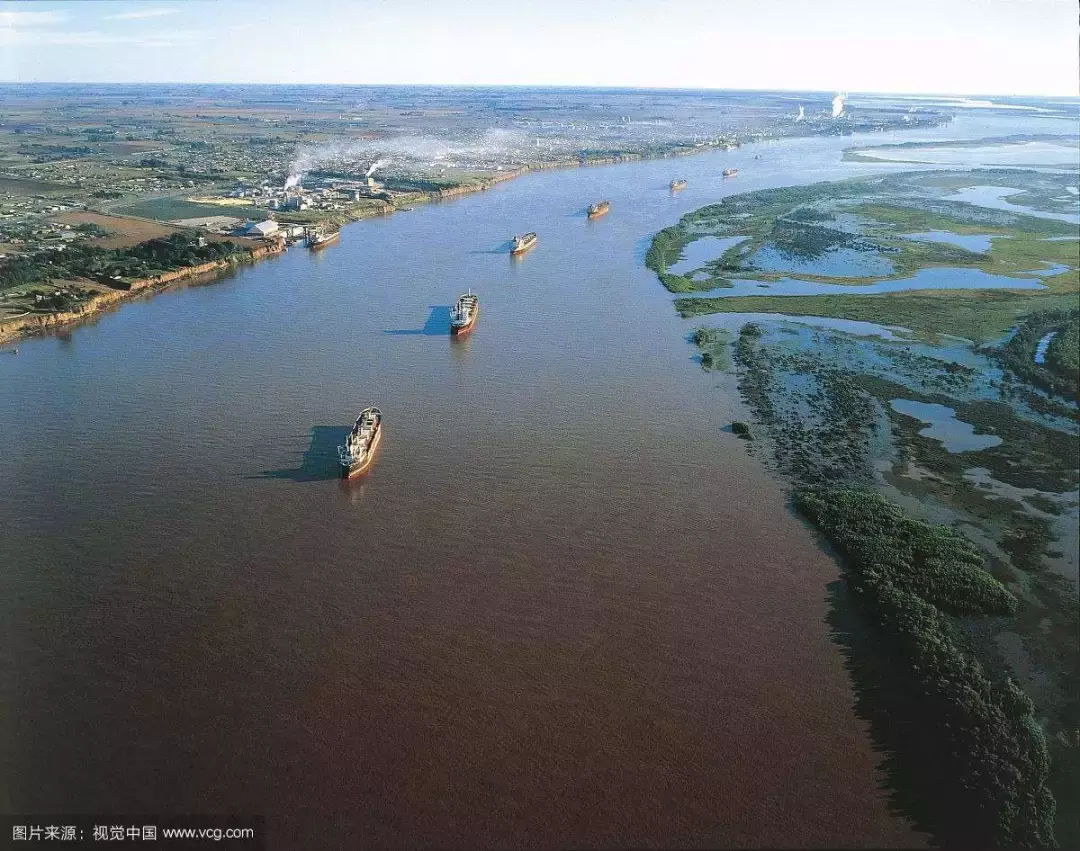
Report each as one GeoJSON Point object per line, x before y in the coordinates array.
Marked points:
{"type": "Point", "coordinates": [958, 416]}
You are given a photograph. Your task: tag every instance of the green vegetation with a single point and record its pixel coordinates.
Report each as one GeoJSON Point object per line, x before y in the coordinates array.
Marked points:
{"type": "Point", "coordinates": [1030, 455]}
{"type": "Point", "coordinates": [173, 209]}
{"type": "Point", "coordinates": [665, 250]}
{"type": "Point", "coordinates": [1026, 541]}
{"type": "Point", "coordinates": [1047, 506]}
{"type": "Point", "coordinates": [1059, 373]}
{"type": "Point", "coordinates": [967, 759]}
{"type": "Point", "coordinates": [979, 315]}
{"type": "Point", "coordinates": [714, 344]}
{"type": "Point", "coordinates": [1063, 354]}
{"type": "Point", "coordinates": [801, 223]}
{"type": "Point", "coordinates": [821, 428]}
{"type": "Point", "coordinates": [741, 429]}
{"type": "Point", "coordinates": [906, 215]}
{"type": "Point", "coordinates": [91, 229]}
{"type": "Point", "coordinates": [881, 545]}
{"type": "Point", "coordinates": [62, 300]}
{"type": "Point", "coordinates": [804, 237]}
{"type": "Point", "coordinates": [975, 750]}
{"type": "Point", "coordinates": [144, 260]}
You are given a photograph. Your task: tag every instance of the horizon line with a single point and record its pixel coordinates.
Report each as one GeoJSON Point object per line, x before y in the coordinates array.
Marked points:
{"type": "Point", "coordinates": [569, 86]}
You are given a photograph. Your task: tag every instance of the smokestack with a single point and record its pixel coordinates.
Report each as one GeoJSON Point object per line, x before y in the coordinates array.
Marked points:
{"type": "Point", "coordinates": [375, 165]}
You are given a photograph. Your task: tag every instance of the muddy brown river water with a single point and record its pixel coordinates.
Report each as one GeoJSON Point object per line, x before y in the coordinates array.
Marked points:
{"type": "Point", "coordinates": [564, 608]}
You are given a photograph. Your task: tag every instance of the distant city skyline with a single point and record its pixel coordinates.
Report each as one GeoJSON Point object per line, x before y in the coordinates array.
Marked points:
{"type": "Point", "coordinates": [988, 47]}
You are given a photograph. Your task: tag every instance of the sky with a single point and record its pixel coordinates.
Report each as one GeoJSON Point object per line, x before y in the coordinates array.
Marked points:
{"type": "Point", "coordinates": [1001, 47]}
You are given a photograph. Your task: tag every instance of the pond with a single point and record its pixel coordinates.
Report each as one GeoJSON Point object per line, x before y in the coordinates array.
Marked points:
{"type": "Point", "coordinates": [1049, 271]}
{"type": "Point", "coordinates": [980, 243]}
{"type": "Point", "coordinates": [994, 198]}
{"type": "Point", "coordinates": [925, 279]}
{"type": "Point", "coordinates": [1044, 344]}
{"type": "Point", "coordinates": [701, 251]}
{"type": "Point", "coordinates": [942, 425]}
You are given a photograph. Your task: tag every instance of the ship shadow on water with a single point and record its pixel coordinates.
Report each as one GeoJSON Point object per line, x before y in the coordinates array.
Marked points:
{"type": "Point", "coordinates": [437, 325]}
{"type": "Point", "coordinates": [320, 462]}
{"type": "Point", "coordinates": [501, 248]}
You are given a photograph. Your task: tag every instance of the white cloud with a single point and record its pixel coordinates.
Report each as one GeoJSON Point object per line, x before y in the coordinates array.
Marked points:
{"type": "Point", "coordinates": [18, 20]}
{"type": "Point", "coordinates": [142, 14]}
{"type": "Point", "coordinates": [93, 38]}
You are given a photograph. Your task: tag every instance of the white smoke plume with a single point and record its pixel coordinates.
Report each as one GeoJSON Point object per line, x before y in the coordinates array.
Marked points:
{"type": "Point", "coordinates": [294, 180]}
{"type": "Point", "coordinates": [492, 148]}
{"type": "Point", "coordinates": [802, 114]}
{"type": "Point", "coordinates": [419, 152]}
{"type": "Point", "coordinates": [838, 105]}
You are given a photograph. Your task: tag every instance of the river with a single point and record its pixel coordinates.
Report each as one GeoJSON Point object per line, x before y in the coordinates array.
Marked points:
{"type": "Point", "coordinates": [564, 607]}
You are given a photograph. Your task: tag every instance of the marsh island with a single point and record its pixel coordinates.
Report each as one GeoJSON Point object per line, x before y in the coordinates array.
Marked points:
{"type": "Point", "coordinates": [907, 346]}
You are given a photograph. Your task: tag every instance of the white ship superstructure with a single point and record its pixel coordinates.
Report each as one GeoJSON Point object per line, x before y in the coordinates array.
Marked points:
{"type": "Point", "coordinates": [359, 448]}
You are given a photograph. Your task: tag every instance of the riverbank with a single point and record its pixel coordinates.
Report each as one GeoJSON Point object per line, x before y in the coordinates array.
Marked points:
{"type": "Point", "coordinates": [104, 298]}
{"type": "Point", "coordinates": [38, 322]}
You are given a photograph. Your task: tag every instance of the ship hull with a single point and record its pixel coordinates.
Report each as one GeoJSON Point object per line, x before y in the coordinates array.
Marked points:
{"type": "Point", "coordinates": [322, 243]}
{"type": "Point", "coordinates": [595, 214]}
{"type": "Point", "coordinates": [350, 470]}
{"type": "Point", "coordinates": [530, 240]}
{"type": "Point", "coordinates": [462, 330]}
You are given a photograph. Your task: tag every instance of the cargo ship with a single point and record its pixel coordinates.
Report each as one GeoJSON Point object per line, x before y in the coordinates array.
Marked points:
{"type": "Point", "coordinates": [464, 313]}
{"type": "Point", "coordinates": [523, 243]}
{"type": "Point", "coordinates": [677, 184]}
{"type": "Point", "coordinates": [598, 209]}
{"type": "Point", "coordinates": [730, 172]}
{"type": "Point", "coordinates": [359, 449]}
{"type": "Point", "coordinates": [318, 238]}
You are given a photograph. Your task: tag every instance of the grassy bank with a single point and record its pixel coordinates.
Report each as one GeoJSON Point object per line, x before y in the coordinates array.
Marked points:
{"type": "Point", "coordinates": [977, 315]}
{"type": "Point", "coordinates": [981, 765]}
